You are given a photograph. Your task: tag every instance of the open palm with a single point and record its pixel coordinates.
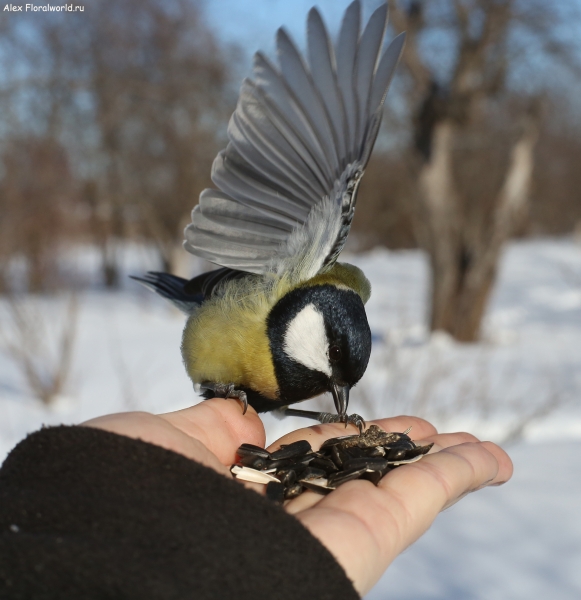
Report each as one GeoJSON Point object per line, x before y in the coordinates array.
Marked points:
{"type": "Point", "coordinates": [365, 527]}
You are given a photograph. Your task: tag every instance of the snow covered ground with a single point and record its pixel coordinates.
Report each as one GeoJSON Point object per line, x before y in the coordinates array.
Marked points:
{"type": "Point", "coordinates": [522, 383]}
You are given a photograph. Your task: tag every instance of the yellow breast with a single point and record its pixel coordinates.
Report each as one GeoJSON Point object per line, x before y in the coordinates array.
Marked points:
{"type": "Point", "coordinates": [229, 344]}
{"type": "Point", "coordinates": [226, 340]}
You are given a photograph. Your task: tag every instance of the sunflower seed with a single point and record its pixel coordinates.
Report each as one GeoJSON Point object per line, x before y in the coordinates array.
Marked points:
{"type": "Point", "coordinates": [248, 474]}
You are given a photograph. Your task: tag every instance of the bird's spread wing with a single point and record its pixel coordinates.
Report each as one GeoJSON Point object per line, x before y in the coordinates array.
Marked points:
{"type": "Point", "coordinates": [300, 139]}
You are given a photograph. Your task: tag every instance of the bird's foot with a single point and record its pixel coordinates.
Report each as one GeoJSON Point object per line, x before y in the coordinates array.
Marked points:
{"type": "Point", "coordinates": [224, 390]}
{"type": "Point", "coordinates": [325, 417]}
{"type": "Point", "coordinates": [353, 419]}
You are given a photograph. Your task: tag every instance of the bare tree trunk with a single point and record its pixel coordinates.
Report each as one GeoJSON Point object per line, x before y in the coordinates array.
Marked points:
{"type": "Point", "coordinates": [109, 265]}
{"type": "Point", "coordinates": [473, 178]}
{"type": "Point", "coordinates": [106, 225]}
{"type": "Point", "coordinates": [511, 209]}
{"type": "Point", "coordinates": [438, 224]}
{"type": "Point", "coordinates": [463, 265]}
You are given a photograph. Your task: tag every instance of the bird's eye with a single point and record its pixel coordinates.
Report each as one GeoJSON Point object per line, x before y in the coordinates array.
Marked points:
{"type": "Point", "coordinates": [335, 353]}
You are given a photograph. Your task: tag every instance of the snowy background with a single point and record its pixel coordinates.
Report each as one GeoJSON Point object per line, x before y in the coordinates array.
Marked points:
{"type": "Point", "coordinates": [521, 386]}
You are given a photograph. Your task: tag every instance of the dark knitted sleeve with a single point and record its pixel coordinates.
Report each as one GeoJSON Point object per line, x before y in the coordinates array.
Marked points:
{"type": "Point", "coordinates": [89, 514]}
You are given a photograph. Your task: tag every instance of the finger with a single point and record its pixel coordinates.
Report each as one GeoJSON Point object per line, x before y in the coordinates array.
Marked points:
{"type": "Point", "coordinates": [158, 431]}
{"type": "Point", "coordinates": [306, 500]}
{"type": "Point", "coordinates": [448, 440]}
{"type": "Point", "coordinates": [445, 440]}
{"type": "Point", "coordinates": [450, 473]}
{"type": "Point", "coordinates": [382, 521]}
{"type": "Point", "coordinates": [220, 425]}
{"type": "Point", "coordinates": [505, 466]}
{"type": "Point", "coordinates": [317, 434]}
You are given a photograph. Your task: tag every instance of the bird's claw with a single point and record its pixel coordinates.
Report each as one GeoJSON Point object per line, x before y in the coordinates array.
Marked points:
{"type": "Point", "coordinates": [356, 420]}
{"type": "Point", "coordinates": [240, 395]}
{"type": "Point", "coordinates": [353, 419]}
{"type": "Point", "coordinates": [227, 390]}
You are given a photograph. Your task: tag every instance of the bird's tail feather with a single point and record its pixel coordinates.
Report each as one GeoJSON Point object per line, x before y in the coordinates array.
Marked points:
{"type": "Point", "coordinates": [171, 287]}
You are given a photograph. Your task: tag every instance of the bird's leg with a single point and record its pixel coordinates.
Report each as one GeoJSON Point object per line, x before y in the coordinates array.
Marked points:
{"type": "Point", "coordinates": [325, 417]}
{"type": "Point", "coordinates": [210, 389]}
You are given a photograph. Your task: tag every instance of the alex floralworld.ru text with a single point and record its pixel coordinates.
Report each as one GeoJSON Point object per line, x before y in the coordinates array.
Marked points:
{"type": "Point", "coordinates": [43, 8]}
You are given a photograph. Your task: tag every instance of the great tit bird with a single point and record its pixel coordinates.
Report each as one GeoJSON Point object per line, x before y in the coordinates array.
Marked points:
{"type": "Point", "coordinates": [282, 320]}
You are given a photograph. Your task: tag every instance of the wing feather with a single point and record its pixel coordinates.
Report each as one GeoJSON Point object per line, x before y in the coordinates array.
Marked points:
{"type": "Point", "coordinates": [300, 139]}
{"type": "Point", "coordinates": [298, 79]}
{"type": "Point", "coordinates": [346, 53]}
{"type": "Point", "coordinates": [247, 232]}
{"type": "Point", "coordinates": [262, 145]}
{"type": "Point", "coordinates": [243, 184]}
{"type": "Point", "coordinates": [384, 73]}
{"type": "Point", "coordinates": [285, 113]}
{"type": "Point", "coordinates": [367, 55]}
{"type": "Point", "coordinates": [219, 206]}
{"type": "Point", "coordinates": [324, 74]}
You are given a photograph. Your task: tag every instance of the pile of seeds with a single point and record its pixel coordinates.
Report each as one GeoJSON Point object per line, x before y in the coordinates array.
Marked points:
{"type": "Point", "coordinates": [294, 468]}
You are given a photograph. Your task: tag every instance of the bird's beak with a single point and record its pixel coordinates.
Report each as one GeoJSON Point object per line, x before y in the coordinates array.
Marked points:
{"type": "Point", "coordinates": [340, 397]}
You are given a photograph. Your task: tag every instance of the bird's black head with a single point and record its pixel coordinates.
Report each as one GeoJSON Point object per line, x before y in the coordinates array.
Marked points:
{"type": "Point", "coordinates": [320, 342]}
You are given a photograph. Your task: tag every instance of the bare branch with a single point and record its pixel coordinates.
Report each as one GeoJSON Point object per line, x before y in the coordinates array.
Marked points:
{"type": "Point", "coordinates": [41, 352]}
{"type": "Point", "coordinates": [411, 57]}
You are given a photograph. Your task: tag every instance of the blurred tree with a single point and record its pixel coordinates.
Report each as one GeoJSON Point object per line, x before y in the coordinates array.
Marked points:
{"type": "Point", "coordinates": [556, 194]}
{"type": "Point", "coordinates": [37, 195]}
{"type": "Point", "coordinates": [385, 215]}
{"type": "Point", "coordinates": [473, 143]}
{"type": "Point", "coordinates": [157, 82]}
{"type": "Point", "coordinates": [134, 91]}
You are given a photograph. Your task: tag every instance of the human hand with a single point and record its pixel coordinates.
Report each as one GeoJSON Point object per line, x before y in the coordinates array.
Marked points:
{"type": "Point", "coordinates": [363, 526]}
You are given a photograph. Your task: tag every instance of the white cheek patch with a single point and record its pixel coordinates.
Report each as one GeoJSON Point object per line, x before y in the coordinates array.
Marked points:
{"type": "Point", "coordinates": [306, 342]}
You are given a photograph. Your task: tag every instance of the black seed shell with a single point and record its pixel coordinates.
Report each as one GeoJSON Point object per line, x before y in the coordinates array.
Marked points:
{"type": "Point", "coordinates": [370, 463]}
{"type": "Point", "coordinates": [341, 477]}
{"type": "Point", "coordinates": [336, 457]}
{"type": "Point", "coordinates": [338, 440]}
{"type": "Point", "coordinates": [369, 456]}
{"type": "Point", "coordinates": [252, 450]}
{"type": "Point", "coordinates": [255, 462]}
{"type": "Point", "coordinates": [373, 476]}
{"type": "Point", "coordinates": [288, 477]}
{"type": "Point", "coordinates": [418, 450]}
{"type": "Point", "coordinates": [310, 473]}
{"type": "Point", "coordinates": [288, 463]}
{"type": "Point", "coordinates": [291, 450]}
{"type": "Point", "coordinates": [309, 485]}
{"type": "Point", "coordinates": [293, 491]}
{"type": "Point", "coordinates": [396, 454]}
{"type": "Point", "coordinates": [322, 462]}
